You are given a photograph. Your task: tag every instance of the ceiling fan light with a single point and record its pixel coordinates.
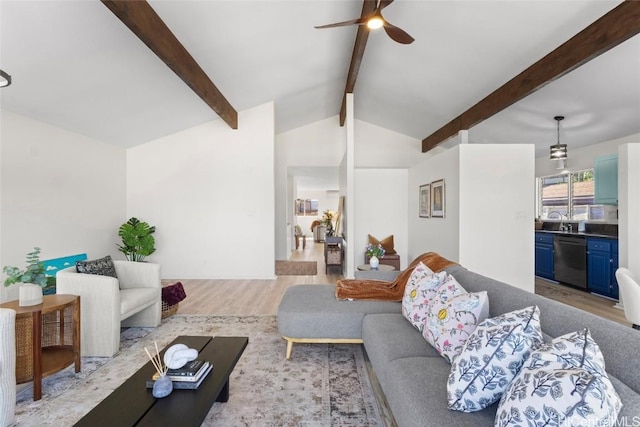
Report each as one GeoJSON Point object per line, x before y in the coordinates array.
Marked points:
{"type": "Point", "coordinates": [375, 22]}
{"type": "Point", "coordinates": [5, 79]}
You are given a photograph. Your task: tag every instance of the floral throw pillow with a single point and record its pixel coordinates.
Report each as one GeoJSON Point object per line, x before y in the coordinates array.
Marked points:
{"type": "Point", "coordinates": [451, 320]}
{"type": "Point", "coordinates": [562, 383]}
{"type": "Point", "coordinates": [491, 357]}
{"type": "Point", "coordinates": [421, 273]}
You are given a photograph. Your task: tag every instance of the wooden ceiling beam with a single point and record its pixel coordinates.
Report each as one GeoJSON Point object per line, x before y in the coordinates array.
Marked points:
{"type": "Point", "coordinates": [362, 36]}
{"type": "Point", "coordinates": [613, 28]}
{"type": "Point", "coordinates": [145, 23]}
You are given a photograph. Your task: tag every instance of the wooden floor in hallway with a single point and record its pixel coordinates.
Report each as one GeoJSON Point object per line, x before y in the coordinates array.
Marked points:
{"type": "Point", "coordinates": [261, 297]}
{"type": "Point", "coordinates": [251, 297]}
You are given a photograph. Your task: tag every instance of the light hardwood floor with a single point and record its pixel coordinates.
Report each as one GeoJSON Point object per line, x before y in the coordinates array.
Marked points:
{"type": "Point", "coordinates": [251, 297]}
{"type": "Point", "coordinates": [261, 297]}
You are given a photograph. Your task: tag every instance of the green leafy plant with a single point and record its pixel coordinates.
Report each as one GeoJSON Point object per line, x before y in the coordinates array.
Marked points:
{"type": "Point", "coordinates": [374, 251]}
{"type": "Point", "coordinates": [34, 272]}
{"type": "Point", "coordinates": [137, 239]}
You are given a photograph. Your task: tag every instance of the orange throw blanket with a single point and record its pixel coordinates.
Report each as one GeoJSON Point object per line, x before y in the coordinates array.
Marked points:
{"type": "Point", "coordinates": [367, 289]}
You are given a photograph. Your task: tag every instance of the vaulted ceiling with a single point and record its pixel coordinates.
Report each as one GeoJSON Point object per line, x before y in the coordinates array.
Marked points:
{"type": "Point", "coordinates": [75, 65]}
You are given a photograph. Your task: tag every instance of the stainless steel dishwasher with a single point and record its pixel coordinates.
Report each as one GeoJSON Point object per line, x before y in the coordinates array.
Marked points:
{"type": "Point", "coordinates": [570, 260]}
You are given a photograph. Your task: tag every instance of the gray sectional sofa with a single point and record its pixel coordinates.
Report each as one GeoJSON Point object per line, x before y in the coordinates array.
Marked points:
{"type": "Point", "coordinates": [411, 373]}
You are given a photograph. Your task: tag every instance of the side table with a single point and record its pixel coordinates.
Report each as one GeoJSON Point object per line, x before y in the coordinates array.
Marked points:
{"type": "Point", "coordinates": [381, 267]}
{"type": "Point", "coordinates": [47, 338]}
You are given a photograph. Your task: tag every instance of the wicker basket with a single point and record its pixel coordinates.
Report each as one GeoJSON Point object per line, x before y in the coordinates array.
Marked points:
{"type": "Point", "coordinates": [169, 310]}
{"type": "Point", "coordinates": [334, 255]}
{"type": "Point", "coordinates": [51, 336]}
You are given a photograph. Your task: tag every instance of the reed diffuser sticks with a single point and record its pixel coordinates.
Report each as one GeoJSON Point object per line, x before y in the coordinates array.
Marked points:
{"type": "Point", "coordinates": [157, 360]}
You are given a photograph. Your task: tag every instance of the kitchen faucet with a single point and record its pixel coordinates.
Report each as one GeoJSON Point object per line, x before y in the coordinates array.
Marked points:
{"type": "Point", "coordinates": [562, 226]}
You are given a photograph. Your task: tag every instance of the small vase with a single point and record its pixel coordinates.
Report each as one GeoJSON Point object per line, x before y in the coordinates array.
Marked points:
{"type": "Point", "coordinates": [30, 294]}
{"type": "Point", "coordinates": [374, 262]}
{"type": "Point", "coordinates": [162, 387]}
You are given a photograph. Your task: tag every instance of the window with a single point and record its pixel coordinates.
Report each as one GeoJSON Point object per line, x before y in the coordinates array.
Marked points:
{"type": "Point", "coordinates": [569, 196]}
{"type": "Point", "coordinates": [306, 207]}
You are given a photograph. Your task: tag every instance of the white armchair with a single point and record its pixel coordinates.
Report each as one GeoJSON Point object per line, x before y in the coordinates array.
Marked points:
{"type": "Point", "coordinates": [7, 366]}
{"type": "Point", "coordinates": [630, 295]}
{"type": "Point", "coordinates": [107, 303]}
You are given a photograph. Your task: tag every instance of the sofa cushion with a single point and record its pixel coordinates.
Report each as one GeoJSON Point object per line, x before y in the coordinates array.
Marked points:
{"type": "Point", "coordinates": [415, 388]}
{"type": "Point", "coordinates": [389, 337]}
{"type": "Point", "coordinates": [103, 267]}
{"type": "Point", "coordinates": [562, 383]}
{"type": "Point", "coordinates": [312, 311]}
{"type": "Point", "coordinates": [491, 358]}
{"type": "Point", "coordinates": [451, 321]}
{"type": "Point", "coordinates": [135, 299]}
{"type": "Point", "coordinates": [418, 292]}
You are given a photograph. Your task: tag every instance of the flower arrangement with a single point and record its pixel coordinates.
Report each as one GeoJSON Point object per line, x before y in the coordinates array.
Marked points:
{"type": "Point", "coordinates": [34, 273]}
{"type": "Point", "coordinates": [327, 218]}
{"type": "Point", "coordinates": [374, 251]}
{"type": "Point", "coordinates": [327, 221]}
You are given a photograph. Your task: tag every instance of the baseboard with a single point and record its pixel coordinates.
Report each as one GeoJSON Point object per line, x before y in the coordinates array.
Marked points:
{"type": "Point", "coordinates": [386, 416]}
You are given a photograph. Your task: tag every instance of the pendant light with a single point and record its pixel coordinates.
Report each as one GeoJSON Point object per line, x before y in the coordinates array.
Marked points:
{"type": "Point", "coordinates": [558, 151]}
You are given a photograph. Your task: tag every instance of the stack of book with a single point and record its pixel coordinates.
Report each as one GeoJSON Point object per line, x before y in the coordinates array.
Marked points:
{"type": "Point", "coordinates": [189, 377]}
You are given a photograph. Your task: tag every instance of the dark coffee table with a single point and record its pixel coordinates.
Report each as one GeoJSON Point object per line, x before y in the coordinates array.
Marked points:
{"type": "Point", "coordinates": [132, 404]}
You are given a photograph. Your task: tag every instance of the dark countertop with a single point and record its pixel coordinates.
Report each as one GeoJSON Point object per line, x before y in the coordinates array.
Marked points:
{"type": "Point", "coordinates": [579, 234]}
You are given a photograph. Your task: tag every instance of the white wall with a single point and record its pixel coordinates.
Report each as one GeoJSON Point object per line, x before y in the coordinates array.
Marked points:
{"type": "Point", "coordinates": [209, 190]}
{"type": "Point", "coordinates": [481, 180]}
{"type": "Point", "coordinates": [435, 234]}
{"type": "Point", "coordinates": [381, 203]}
{"type": "Point", "coordinates": [61, 191]}
{"type": "Point", "coordinates": [496, 212]}
{"type": "Point", "coordinates": [629, 206]}
{"type": "Point", "coordinates": [377, 147]}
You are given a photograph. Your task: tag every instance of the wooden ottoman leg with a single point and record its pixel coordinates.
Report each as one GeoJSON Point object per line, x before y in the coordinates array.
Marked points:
{"type": "Point", "coordinates": [289, 348]}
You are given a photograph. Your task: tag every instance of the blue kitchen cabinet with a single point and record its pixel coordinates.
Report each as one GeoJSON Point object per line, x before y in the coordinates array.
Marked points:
{"type": "Point", "coordinates": [605, 171]}
{"type": "Point", "coordinates": [544, 255]}
{"type": "Point", "coordinates": [614, 266]}
{"type": "Point", "coordinates": [601, 266]}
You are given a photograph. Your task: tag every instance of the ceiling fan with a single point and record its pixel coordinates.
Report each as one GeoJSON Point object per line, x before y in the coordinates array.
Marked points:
{"type": "Point", "coordinates": [374, 21]}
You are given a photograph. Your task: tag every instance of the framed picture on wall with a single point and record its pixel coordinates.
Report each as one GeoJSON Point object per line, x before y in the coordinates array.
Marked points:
{"type": "Point", "coordinates": [437, 199]}
{"type": "Point", "coordinates": [424, 201]}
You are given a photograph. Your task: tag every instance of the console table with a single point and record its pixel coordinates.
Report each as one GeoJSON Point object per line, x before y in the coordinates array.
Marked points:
{"type": "Point", "coordinates": [47, 338]}
{"type": "Point", "coordinates": [333, 252]}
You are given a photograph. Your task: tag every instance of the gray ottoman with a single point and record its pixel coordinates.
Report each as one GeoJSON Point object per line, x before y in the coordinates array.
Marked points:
{"type": "Point", "coordinates": [312, 314]}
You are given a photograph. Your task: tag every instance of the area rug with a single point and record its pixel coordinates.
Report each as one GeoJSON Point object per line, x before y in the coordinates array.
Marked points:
{"type": "Point", "coordinates": [296, 268]}
{"type": "Point", "coordinates": [322, 385]}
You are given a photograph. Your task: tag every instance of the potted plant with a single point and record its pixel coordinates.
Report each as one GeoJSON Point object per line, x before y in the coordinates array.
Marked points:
{"type": "Point", "coordinates": [33, 279]}
{"type": "Point", "coordinates": [137, 239]}
{"type": "Point", "coordinates": [374, 253]}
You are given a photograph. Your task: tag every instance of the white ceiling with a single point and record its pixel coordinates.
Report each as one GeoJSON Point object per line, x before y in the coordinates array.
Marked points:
{"type": "Point", "coordinates": [75, 65]}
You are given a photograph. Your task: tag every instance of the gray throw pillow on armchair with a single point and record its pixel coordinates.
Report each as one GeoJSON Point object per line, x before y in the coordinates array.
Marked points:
{"type": "Point", "coordinates": [103, 267]}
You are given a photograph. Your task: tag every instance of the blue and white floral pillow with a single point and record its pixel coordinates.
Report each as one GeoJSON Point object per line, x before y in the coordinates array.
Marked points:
{"type": "Point", "coordinates": [563, 383]}
{"type": "Point", "coordinates": [418, 292]}
{"type": "Point", "coordinates": [491, 357]}
{"type": "Point", "coordinates": [453, 319]}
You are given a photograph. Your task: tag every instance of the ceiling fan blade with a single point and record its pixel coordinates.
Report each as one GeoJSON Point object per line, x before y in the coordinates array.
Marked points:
{"type": "Point", "coordinates": [397, 34]}
{"type": "Point", "coordinates": [358, 21]}
{"type": "Point", "coordinates": [384, 3]}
